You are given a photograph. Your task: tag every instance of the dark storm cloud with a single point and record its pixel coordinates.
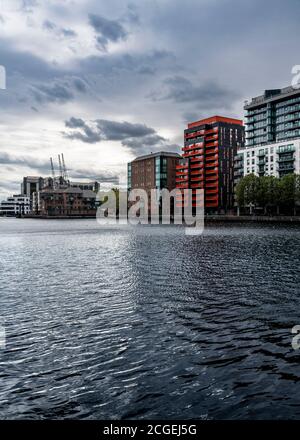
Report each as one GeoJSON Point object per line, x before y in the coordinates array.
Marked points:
{"type": "Point", "coordinates": [107, 30]}
{"type": "Point", "coordinates": [137, 137]}
{"type": "Point", "coordinates": [87, 134]}
{"type": "Point", "coordinates": [208, 95]}
{"type": "Point", "coordinates": [103, 129]}
{"type": "Point", "coordinates": [116, 131]}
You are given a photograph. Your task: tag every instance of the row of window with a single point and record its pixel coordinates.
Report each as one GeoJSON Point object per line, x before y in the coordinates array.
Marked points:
{"type": "Point", "coordinates": [288, 102]}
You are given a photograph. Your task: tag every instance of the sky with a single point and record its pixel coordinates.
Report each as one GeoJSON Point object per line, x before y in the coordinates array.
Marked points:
{"type": "Point", "coordinates": [106, 81]}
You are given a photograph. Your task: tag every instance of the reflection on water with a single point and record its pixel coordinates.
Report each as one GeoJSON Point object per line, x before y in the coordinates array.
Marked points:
{"type": "Point", "coordinates": [145, 323]}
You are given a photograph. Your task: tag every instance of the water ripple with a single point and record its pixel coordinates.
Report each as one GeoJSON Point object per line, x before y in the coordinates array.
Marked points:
{"type": "Point", "coordinates": [136, 324]}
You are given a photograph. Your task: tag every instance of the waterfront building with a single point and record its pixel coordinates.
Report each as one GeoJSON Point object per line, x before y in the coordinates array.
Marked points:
{"type": "Point", "coordinates": [273, 117]}
{"type": "Point", "coordinates": [153, 171]}
{"type": "Point", "coordinates": [30, 185]}
{"type": "Point", "coordinates": [210, 146]}
{"type": "Point", "coordinates": [15, 205]}
{"type": "Point", "coordinates": [65, 202]}
{"type": "Point", "coordinates": [92, 186]}
{"type": "Point", "coordinates": [272, 135]}
{"type": "Point", "coordinates": [275, 159]}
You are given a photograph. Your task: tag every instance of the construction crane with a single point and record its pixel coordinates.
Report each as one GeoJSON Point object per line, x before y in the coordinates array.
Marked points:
{"type": "Point", "coordinates": [60, 167]}
{"type": "Point", "coordinates": [53, 172]}
{"type": "Point", "coordinates": [64, 167]}
{"type": "Point", "coordinates": [52, 168]}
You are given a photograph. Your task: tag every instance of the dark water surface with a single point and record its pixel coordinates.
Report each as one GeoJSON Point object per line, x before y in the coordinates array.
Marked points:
{"type": "Point", "coordinates": [148, 323]}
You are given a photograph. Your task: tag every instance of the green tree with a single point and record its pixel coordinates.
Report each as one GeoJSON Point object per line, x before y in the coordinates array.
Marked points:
{"type": "Point", "coordinates": [269, 192]}
{"type": "Point", "coordinates": [288, 192]}
{"type": "Point", "coordinates": [246, 191]}
{"type": "Point", "coordinates": [262, 192]}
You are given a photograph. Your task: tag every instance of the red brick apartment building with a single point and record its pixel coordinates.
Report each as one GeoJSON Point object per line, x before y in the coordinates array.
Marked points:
{"type": "Point", "coordinates": [210, 146]}
{"type": "Point", "coordinates": [153, 171]}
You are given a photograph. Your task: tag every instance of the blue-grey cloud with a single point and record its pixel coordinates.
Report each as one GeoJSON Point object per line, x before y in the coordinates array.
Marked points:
{"type": "Point", "coordinates": [80, 85]}
{"type": "Point", "coordinates": [102, 129]}
{"type": "Point", "coordinates": [134, 136]}
{"type": "Point", "coordinates": [49, 25]}
{"type": "Point", "coordinates": [52, 93]}
{"type": "Point", "coordinates": [28, 5]}
{"type": "Point", "coordinates": [59, 91]}
{"type": "Point", "coordinates": [68, 32]}
{"type": "Point", "coordinates": [132, 14]}
{"type": "Point", "coordinates": [107, 30]}
{"type": "Point", "coordinates": [24, 161]}
{"type": "Point", "coordinates": [86, 134]}
{"type": "Point", "coordinates": [115, 131]}
{"type": "Point", "coordinates": [59, 31]}
{"type": "Point", "coordinates": [103, 177]}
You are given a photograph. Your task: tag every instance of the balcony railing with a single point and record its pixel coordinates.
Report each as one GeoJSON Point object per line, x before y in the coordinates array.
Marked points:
{"type": "Point", "coordinates": [214, 171]}
{"type": "Point", "coordinates": [286, 149]}
{"type": "Point", "coordinates": [212, 151]}
{"type": "Point", "coordinates": [289, 167]}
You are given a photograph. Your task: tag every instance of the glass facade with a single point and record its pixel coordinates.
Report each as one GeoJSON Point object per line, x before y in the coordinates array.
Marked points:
{"type": "Point", "coordinates": [276, 120]}
{"type": "Point", "coordinates": [160, 172]}
{"type": "Point", "coordinates": [129, 176]}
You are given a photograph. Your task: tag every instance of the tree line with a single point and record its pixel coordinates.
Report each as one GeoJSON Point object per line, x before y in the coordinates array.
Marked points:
{"type": "Point", "coordinates": [269, 194]}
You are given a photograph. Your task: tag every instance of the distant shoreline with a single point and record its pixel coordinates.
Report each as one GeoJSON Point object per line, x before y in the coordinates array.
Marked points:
{"type": "Point", "coordinates": [208, 218]}
{"type": "Point", "coordinates": [252, 219]}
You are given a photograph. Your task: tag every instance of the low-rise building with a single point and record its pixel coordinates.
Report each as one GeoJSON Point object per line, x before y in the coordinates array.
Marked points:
{"type": "Point", "coordinates": [65, 202]}
{"type": "Point", "coordinates": [153, 171]}
{"type": "Point", "coordinates": [275, 159]}
{"type": "Point", "coordinates": [92, 186]}
{"type": "Point", "coordinates": [15, 205]}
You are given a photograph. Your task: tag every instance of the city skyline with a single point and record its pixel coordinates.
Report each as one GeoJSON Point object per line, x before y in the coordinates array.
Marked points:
{"type": "Point", "coordinates": [95, 81]}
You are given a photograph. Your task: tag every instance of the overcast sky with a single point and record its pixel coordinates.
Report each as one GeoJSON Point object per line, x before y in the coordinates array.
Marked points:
{"type": "Point", "coordinates": [106, 80]}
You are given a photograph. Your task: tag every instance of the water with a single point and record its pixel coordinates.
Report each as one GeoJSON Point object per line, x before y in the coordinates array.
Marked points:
{"type": "Point", "coordinates": [148, 323]}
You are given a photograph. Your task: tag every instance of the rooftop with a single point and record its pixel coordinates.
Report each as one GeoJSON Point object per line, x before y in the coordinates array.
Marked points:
{"type": "Point", "coordinates": [159, 153]}
{"type": "Point", "coordinates": [214, 119]}
{"type": "Point", "coordinates": [84, 192]}
{"type": "Point", "coordinates": [272, 95]}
